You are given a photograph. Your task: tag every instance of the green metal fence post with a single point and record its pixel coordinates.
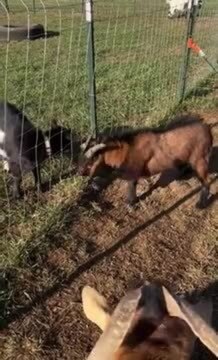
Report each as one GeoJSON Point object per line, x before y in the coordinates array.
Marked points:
{"type": "Point", "coordinates": [190, 27]}
{"type": "Point", "coordinates": [34, 6]}
{"type": "Point", "coordinates": [91, 65]}
{"type": "Point", "coordinates": [7, 5]}
{"type": "Point", "coordinates": [82, 6]}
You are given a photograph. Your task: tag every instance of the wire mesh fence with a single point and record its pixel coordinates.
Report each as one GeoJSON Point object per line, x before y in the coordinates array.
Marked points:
{"type": "Point", "coordinates": [139, 58]}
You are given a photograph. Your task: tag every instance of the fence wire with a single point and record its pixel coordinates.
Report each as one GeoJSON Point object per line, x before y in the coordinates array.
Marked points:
{"type": "Point", "coordinates": [205, 30]}
{"type": "Point", "coordinates": [139, 57]}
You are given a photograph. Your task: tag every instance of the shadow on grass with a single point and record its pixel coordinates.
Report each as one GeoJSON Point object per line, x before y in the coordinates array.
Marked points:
{"type": "Point", "coordinates": [66, 281]}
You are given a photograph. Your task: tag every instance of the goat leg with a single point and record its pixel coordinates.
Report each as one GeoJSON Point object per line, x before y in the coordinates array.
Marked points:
{"type": "Point", "coordinates": [202, 172]}
{"type": "Point", "coordinates": [204, 196]}
{"type": "Point", "coordinates": [131, 192]}
{"type": "Point", "coordinates": [37, 177]}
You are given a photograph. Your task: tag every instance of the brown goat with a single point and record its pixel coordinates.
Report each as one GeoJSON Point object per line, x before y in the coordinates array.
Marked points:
{"type": "Point", "coordinates": [146, 152]}
{"type": "Point", "coordinates": [148, 324]}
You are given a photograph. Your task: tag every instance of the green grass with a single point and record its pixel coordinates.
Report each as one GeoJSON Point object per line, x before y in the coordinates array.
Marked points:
{"type": "Point", "coordinates": [139, 55]}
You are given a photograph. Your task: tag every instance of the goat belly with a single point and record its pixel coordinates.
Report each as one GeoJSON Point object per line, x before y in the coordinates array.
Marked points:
{"type": "Point", "coordinates": [128, 173]}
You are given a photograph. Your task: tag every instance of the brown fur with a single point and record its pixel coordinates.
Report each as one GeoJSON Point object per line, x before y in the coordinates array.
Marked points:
{"type": "Point", "coordinates": [151, 336]}
{"type": "Point", "coordinates": [145, 153]}
{"type": "Point", "coordinates": [169, 340]}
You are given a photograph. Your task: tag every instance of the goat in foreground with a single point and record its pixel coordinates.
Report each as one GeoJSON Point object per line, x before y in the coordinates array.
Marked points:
{"type": "Point", "coordinates": [149, 324]}
{"type": "Point", "coordinates": [23, 147]}
{"type": "Point", "coordinates": [146, 152]}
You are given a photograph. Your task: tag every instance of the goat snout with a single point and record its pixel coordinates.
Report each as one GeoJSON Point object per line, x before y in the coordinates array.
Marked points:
{"type": "Point", "coordinates": [84, 170]}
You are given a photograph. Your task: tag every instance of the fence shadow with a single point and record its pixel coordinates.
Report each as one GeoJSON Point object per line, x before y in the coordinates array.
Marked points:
{"type": "Point", "coordinates": [65, 282]}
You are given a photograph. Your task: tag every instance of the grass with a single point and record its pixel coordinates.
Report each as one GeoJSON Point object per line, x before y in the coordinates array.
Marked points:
{"type": "Point", "coordinates": [139, 55]}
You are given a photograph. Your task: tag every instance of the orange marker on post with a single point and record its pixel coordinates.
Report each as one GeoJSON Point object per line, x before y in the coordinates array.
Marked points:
{"type": "Point", "coordinates": [194, 46]}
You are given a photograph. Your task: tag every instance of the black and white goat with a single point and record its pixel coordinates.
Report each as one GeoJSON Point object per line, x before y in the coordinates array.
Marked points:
{"type": "Point", "coordinates": [23, 147]}
{"type": "Point", "coordinates": [180, 8]}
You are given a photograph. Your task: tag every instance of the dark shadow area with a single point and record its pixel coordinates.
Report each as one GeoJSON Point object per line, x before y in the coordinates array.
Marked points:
{"type": "Point", "coordinates": [213, 167]}
{"type": "Point", "coordinates": [66, 281]}
{"type": "Point", "coordinates": [19, 33]}
{"type": "Point", "coordinates": [44, 35]}
{"type": "Point", "coordinates": [200, 92]}
{"type": "Point", "coordinates": [50, 34]}
{"type": "Point", "coordinates": [95, 187]}
{"type": "Point", "coordinates": [201, 89]}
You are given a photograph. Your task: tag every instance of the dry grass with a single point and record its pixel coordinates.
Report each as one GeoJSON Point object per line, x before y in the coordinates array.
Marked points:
{"type": "Point", "coordinates": [53, 243]}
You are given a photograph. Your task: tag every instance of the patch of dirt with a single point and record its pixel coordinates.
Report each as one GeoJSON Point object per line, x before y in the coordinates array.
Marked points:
{"type": "Point", "coordinates": [164, 238]}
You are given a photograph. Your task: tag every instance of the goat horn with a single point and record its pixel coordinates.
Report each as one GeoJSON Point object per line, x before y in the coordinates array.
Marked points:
{"type": "Point", "coordinates": [94, 149]}
{"type": "Point", "coordinates": [85, 145]}
{"type": "Point", "coordinates": [201, 329]}
{"type": "Point", "coordinates": [120, 321]}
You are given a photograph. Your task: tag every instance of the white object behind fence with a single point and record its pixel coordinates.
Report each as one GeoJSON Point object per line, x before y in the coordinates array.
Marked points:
{"type": "Point", "coordinates": [179, 8]}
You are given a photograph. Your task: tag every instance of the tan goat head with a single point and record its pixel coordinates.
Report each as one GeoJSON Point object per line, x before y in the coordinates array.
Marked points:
{"type": "Point", "coordinates": [149, 323]}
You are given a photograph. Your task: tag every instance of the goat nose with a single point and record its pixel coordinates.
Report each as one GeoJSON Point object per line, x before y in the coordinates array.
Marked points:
{"type": "Point", "coordinates": [81, 171]}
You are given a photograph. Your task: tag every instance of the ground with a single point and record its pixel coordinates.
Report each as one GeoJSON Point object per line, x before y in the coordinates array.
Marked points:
{"type": "Point", "coordinates": [53, 243]}
{"type": "Point", "coordinates": [109, 246]}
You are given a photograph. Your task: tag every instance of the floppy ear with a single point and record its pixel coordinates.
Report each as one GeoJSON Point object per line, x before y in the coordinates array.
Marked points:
{"type": "Point", "coordinates": [95, 307]}
{"type": "Point", "coordinates": [197, 317]}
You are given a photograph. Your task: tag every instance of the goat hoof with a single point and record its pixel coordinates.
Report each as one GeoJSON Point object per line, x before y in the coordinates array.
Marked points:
{"type": "Point", "coordinates": [201, 204]}
{"type": "Point", "coordinates": [95, 186]}
{"type": "Point", "coordinates": [132, 202]}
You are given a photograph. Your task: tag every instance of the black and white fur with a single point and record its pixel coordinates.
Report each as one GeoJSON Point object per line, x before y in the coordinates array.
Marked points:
{"type": "Point", "coordinates": [23, 147]}
{"type": "Point", "coordinates": [180, 8]}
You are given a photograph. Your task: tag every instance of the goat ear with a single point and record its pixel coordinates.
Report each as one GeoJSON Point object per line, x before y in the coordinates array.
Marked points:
{"type": "Point", "coordinates": [201, 328]}
{"type": "Point", "coordinates": [205, 309]}
{"type": "Point", "coordinates": [95, 307]}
